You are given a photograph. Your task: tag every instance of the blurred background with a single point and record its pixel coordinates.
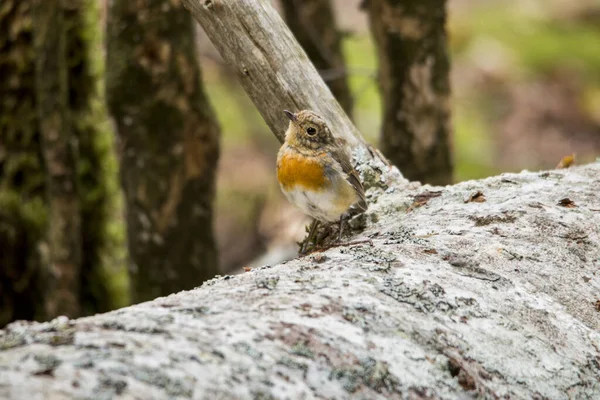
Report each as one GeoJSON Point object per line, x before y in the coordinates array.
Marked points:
{"type": "Point", "coordinates": [525, 80]}
{"type": "Point", "coordinates": [525, 93]}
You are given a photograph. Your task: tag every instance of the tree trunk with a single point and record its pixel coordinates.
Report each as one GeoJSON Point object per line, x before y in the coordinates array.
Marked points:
{"type": "Point", "coordinates": [168, 144]}
{"type": "Point", "coordinates": [103, 233]}
{"type": "Point", "coordinates": [23, 200]}
{"type": "Point", "coordinates": [64, 218]}
{"type": "Point", "coordinates": [486, 289]}
{"type": "Point", "coordinates": [313, 24]}
{"type": "Point", "coordinates": [414, 81]}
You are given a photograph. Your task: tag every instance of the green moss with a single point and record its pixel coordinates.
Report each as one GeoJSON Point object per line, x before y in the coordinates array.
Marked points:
{"type": "Point", "coordinates": [10, 340]}
{"type": "Point", "coordinates": [32, 212]}
{"type": "Point", "coordinates": [370, 373]}
{"type": "Point", "coordinates": [105, 282]}
{"type": "Point", "coordinates": [301, 349]}
{"type": "Point", "coordinates": [174, 387]}
{"type": "Point", "coordinates": [262, 395]}
{"type": "Point", "coordinates": [292, 364]}
{"type": "Point", "coordinates": [23, 211]}
{"type": "Point", "coordinates": [22, 177]}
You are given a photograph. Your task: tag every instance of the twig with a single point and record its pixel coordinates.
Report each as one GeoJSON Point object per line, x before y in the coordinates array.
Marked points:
{"type": "Point", "coordinates": [341, 244]}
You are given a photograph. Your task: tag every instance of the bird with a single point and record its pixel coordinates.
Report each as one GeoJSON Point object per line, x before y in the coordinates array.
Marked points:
{"type": "Point", "coordinates": [315, 174]}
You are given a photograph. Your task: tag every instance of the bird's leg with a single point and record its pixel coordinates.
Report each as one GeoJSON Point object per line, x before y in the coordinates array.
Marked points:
{"type": "Point", "coordinates": [311, 234]}
{"type": "Point", "coordinates": [341, 230]}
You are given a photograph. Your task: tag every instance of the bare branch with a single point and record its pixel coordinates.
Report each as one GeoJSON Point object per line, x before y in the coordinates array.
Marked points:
{"type": "Point", "coordinates": [271, 65]}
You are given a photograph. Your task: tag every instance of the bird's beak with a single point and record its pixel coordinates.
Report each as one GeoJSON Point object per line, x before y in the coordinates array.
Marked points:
{"type": "Point", "coordinates": [290, 115]}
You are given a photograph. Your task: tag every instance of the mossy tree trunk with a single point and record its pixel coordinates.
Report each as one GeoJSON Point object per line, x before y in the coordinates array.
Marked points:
{"type": "Point", "coordinates": [168, 145]}
{"type": "Point", "coordinates": [103, 239]}
{"type": "Point", "coordinates": [314, 26]}
{"type": "Point", "coordinates": [64, 217]}
{"type": "Point", "coordinates": [24, 206]}
{"type": "Point", "coordinates": [22, 202]}
{"type": "Point", "coordinates": [414, 81]}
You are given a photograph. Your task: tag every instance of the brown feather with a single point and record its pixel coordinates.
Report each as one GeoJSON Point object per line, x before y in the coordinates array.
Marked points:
{"type": "Point", "coordinates": [352, 177]}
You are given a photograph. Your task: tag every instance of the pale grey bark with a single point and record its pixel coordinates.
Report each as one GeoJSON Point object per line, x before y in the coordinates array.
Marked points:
{"type": "Point", "coordinates": [487, 289]}
{"type": "Point", "coordinates": [313, 23]}
{"type": "Point", "coordinates": [271, 65]}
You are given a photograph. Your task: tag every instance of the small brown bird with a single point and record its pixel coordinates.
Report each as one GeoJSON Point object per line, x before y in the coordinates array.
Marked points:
{"type": "Point", "coordinates": [315, 173]}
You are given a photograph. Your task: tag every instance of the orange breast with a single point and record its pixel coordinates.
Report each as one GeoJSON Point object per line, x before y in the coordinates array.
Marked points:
{"type": "Point", "coordinates": [294, 170]}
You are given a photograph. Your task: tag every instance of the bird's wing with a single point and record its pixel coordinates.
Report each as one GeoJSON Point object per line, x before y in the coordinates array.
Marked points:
{"type": "Point", "coordinates": [352, 177]}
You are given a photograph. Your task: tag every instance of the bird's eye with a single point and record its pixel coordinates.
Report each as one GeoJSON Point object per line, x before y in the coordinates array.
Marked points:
{"type": "Point", "coordinates": [311, 131]}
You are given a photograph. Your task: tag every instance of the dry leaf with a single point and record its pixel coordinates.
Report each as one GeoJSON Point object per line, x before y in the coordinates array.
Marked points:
{"type": "Point", "coordinates": [566, 161]}
{"type": "Point", "coordinates": [422, 198]}
{"type": "Point", "coordinates": [566, 202]}
{"type": "Point", "coordinates": [476, 197]}
{"type": "Point", "coordinates": [319, 258]}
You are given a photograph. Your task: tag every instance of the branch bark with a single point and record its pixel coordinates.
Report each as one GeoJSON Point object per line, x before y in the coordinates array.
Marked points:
{"type": "Point", "coordinates": [271, 65]}
{"type": "Point", "coordinates": [483, 289]}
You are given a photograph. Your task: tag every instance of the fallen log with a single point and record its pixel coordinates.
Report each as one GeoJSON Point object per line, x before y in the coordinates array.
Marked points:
{"type": "Point", "coordinates": [487, 288]}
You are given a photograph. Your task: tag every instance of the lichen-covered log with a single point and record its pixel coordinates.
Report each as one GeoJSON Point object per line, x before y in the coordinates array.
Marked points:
{"type": "Point", "coordinates": [168, 145]}
{"type": "Point", "coordinates": [484, 289]}
{"type": "Point", "coordinates": [314, 26]}
{"type": "Point", "coordinates": [64, 217]}
{"type": "Point", "coordinates": [412, 48]}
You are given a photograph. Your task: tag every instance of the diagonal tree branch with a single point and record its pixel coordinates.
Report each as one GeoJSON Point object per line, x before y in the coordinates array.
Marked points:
{"type": "Point", "coordinates": [314, 25]}
{"type": "Point", "coordinates": [271, 65]}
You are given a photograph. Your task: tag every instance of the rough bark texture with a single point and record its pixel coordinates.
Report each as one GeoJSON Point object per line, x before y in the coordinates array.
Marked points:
{"type": "Point", "coordinates": [271, 65]}
{"type": "Point", "coordinates": [103, 232]}
{"type": "Point", "coordinates": [168, 144]}
{"type": "Point", "coordinates": [22, 195]}
{"type": "Point", "coordinates": [64, 218]}
{"type": "Point", "coordinates": [414, 82]}
{"type": "Point", "coordinates": [483, 289]}
{"type": "Point", "coordinates": [314, 26]}
{"type": "Point", "coordinates": [23, 201]}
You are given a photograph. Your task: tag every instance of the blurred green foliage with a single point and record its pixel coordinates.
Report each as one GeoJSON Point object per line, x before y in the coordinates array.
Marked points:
{"type": "Point", "coordinates": [540, 41]}
{"type": "Point", "coordinates": [536, 41]}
